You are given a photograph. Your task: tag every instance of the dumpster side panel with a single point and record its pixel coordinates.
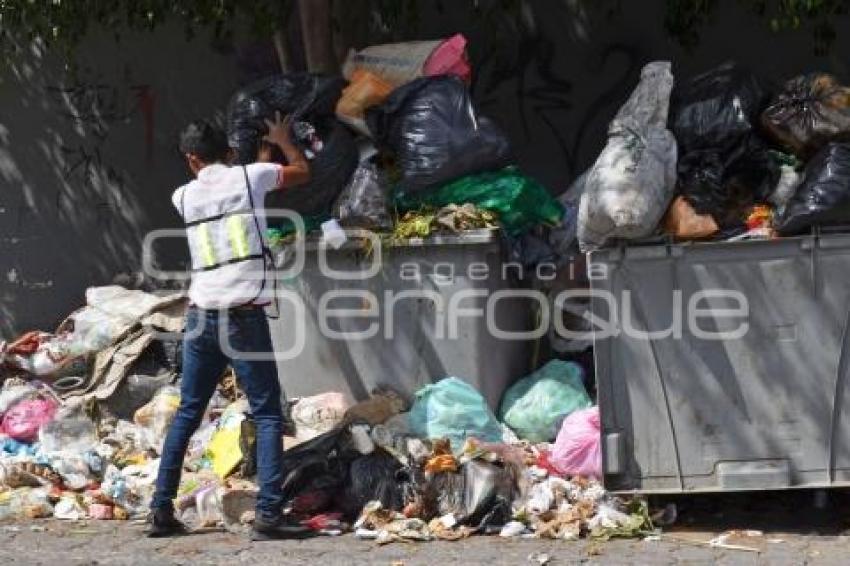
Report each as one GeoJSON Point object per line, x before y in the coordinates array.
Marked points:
{"type": "Point", "coordinates": [430, 314]}
{"type": "Point", "coordinates": [709, 409]}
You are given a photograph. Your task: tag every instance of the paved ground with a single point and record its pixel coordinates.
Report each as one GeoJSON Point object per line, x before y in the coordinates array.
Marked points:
{"type": "Point", "coordinates": [113, 543]}
{"type": "Point", "coordinates": [795, 532]}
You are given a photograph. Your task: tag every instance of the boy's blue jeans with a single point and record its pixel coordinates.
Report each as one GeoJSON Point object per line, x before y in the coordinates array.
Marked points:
{"type": "Point", "coordinates": [204, 359]}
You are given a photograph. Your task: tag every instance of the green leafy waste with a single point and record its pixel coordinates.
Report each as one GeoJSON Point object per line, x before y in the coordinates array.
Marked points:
{"type": "Point", "coordinates": [520, 202]}
{"type": "Point", "coordinates": [638, 524]}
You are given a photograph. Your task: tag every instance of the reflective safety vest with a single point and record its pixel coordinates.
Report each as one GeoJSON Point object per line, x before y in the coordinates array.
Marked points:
{"type": "Point", "coordinates": [222, 227]}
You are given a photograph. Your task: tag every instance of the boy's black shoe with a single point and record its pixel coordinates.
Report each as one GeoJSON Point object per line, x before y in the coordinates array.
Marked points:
{"type": "Point", "coordinates": [163, 523]}
{"type": "Point", "coordinates": [280, 528]}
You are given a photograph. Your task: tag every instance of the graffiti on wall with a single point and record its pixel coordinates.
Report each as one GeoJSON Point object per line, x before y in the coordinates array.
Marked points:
{"type": "Point", "coordinates": [91, 106]}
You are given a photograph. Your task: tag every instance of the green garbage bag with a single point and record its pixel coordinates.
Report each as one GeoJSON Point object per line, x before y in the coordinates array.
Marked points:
{"type": "Point", "coordinates": [453, 409]}
{"type": "Point", "coordinates": [520, 202]}
{"type": "Point", "coordinates": [283, 227]}
{"type": "Point", "coordinates": [534, 405]}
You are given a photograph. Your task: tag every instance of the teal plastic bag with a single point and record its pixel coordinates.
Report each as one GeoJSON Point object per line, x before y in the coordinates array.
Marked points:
{"type": "Point", "coordinates": [453, 409]}
{"type": "Point", "coordinates": [520, 202]}
{"type": "Point", "coordinates": [534, 405]}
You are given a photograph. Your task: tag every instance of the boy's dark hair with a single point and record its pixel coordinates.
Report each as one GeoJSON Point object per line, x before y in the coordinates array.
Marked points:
{"type": "Point", "coordinates": [205, 140]}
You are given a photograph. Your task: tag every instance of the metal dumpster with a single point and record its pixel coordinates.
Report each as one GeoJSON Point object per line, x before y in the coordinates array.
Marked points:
{"type": "Point", "coordinates": [420, 316]}
{"type": "Point", "coordinates": [715, 410]}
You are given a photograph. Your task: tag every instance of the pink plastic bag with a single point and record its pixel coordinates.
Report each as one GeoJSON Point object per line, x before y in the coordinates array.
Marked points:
{"type": "Point", "coordinates": [449, 58]}
{"type": "Point", "coordinates": [23, 421]}
{"type": "Point", "coordinates": [577, 449]}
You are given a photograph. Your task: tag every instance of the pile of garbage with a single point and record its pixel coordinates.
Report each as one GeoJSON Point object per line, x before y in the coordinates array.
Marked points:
{"type": "Point", "coordinates": [397, 136]}
{"type": "Point", "coordinates": [720, 157]}
{"type": "Point", "coordinates": [80, 442]}
{"type": "Point", "coordinates": [83, 409]}
{"type": "Point", "coordinates": [716, 157]}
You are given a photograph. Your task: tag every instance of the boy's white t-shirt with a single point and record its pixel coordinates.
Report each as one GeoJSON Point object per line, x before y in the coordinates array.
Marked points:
{"type": "Point", "coordinates": [237, 283]}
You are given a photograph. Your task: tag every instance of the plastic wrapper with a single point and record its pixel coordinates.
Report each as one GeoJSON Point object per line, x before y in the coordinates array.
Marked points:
{"type": "Point", "coordinates": [73, 432]}
{"type": "Point", "coordinates": [519, 202]}
{"type": "Point", "coordinates": [136, 390]}
{"type": "Point", "coordinates": [823, 197]}
{"type": "Point", "coordinates": [363, 202]}
{"type": "Point", "coordinates": [630, 185]}
{"type": "Point", "coordinates": [232, 441]}
{"type": "Point", "coordinates": [399, 63]}
{"type": "Point", "coordinates": [684, 223]}
{"type": "Point", "coordinates": [577, 450]}
{"type": "Point", "coordinates": [43, 354]}
{"type": "Point", "coordinates": [433, 129]}
{"type": "Point", "coordinates": [453, 409]}
{"type": "Point", "coordinates": [25, 503]}
{"type": "Point", "coordinates": [10, 446]}
{"type": "Point", "coordinates": [24, 419]}
{"type": "Point", "coordinates": [120, 490]}
{"type": "Point", "coordinates": [224, 450]}
{"type": "Point", "coordinates": [812, 110]}
{"type": "Point", "coordinates": [789, 180]}
{"type": "Point", "coordinates": [366, 90]}
{"type": "Point", "coordinates": [77, 469]}
{"type": "Point", "coordinates": [69, 508]}
{"type": "Point", "coordinates": [13, 392]}
{"type": "Point", "coordinates": [318, 414]}
{"type": "Point", "coordinates": [155, 417]}
{"type": "Point", "coordinates": [202, 508]}
{"type": "Point", "coordinates": [535, 404]}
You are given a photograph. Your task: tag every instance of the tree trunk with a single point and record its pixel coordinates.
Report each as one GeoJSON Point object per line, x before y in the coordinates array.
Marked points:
{"type": "Point", "coordinates": [315, 17]}
{"type": "Point", "coordinates": [282, 49]}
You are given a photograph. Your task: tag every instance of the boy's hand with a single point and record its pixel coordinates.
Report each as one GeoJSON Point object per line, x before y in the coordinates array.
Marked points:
{"type": "Point", "coordinates": [279, 130]}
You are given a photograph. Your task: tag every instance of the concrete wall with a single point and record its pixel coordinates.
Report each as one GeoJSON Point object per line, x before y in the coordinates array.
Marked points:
{"type": "Point", "coordinates": [87, 164]}
{"type": "Point", "coordinates": [554, 89]}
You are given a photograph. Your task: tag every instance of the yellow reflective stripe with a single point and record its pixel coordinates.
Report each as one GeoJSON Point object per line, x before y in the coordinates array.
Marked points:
{"type": "Point", "coordinates": [237, 236]}
{"type": "Point", "coordinates": [206, 245]}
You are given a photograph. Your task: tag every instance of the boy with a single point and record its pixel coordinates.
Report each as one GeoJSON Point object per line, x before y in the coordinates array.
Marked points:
{"type": "Point", "coordinates": [225, 225]}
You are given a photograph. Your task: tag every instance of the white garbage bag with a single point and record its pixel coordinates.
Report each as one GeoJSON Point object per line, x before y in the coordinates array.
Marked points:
{"type": "Point", "coordinates": [631, 184]}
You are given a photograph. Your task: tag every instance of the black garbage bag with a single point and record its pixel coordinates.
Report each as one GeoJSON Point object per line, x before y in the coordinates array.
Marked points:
{"type": "Point", "coordinates": [432, 127]}
{"type": "Point", "coordinates": [823, 197]}
{"type": "Point", "coordinates": [304, 96]}
{"type": "Point", "coordinates": [725, 183]}
{"type": "Point", "coordinates": [375, 477]}
{"type": "Point", "coordinates": [478, 495]}
{"type": "Point", "coordinates": [363, 202]}
{"type": "Point", "coordinates": [330, 170]}
{"type": "Point", "coordinates": [324, 459]}
{"type": "Point", "coordinates": [812, 110]}
{"type": "Point", "coordinates": [310, 100]}
{"type": "Point", "coordinates": [717, 109]}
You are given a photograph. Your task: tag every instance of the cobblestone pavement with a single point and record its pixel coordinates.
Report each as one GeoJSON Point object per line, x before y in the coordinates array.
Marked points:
{"type": "Point", "coordinates": [795, 532]}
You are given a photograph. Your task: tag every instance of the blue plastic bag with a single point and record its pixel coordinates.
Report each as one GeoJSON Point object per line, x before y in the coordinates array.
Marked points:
{"type": "Point", "coordinates": [534, 405]}
{"type": "Point", "coordinates": [455, 410]}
